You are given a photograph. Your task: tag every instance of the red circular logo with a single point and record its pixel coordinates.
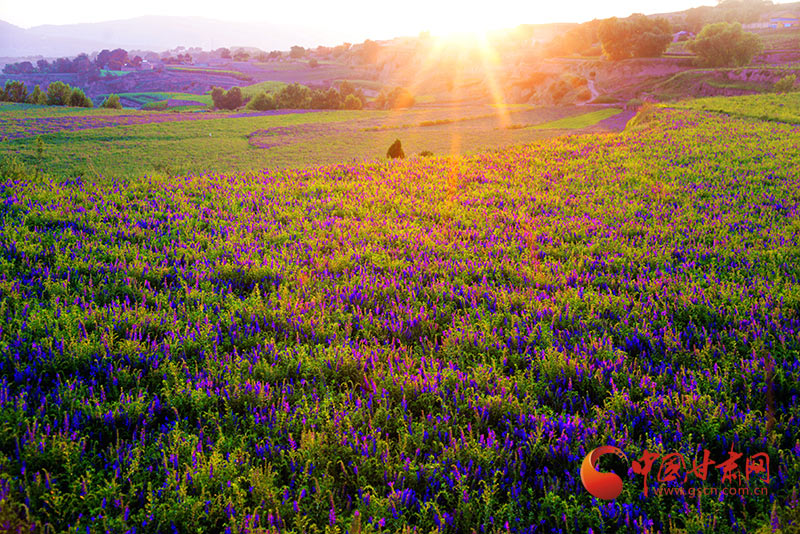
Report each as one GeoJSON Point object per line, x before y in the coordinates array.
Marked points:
{"type": "Point", "coordinates": [605, 486]}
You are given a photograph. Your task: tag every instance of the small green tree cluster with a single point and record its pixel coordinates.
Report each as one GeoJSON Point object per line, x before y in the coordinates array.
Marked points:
{"type": "Point", "coordinates": [14, 91]}
{"type": "Point", "coordinates": [262, 102]}
{"type": "Point", "coordinates": [724, 44]}
{"type": "Point", "coordinates": [112, 102]}
{"type": "Point", "coordinates": [230, 99]}
{"type": "Point", "coordinates": [635, 36]}
{"type": "Point", "coordinates": [397, 98]}
{"type": "Point", "coordinates": [78, 99]}
{"type": "Point", "coordinates": [296, 96]}
{"type": "Point", "coordinates": [61, 94]}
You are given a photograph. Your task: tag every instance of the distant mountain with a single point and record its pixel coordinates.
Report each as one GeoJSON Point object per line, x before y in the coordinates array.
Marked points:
{"type": "Point", "coordinates": [155, 33]}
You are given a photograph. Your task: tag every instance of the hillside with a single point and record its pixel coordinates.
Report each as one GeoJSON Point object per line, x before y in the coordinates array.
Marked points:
{"type": "Point", "coordinates": [156, 33]}
{"type": "Point", "coordinates": [433, 343]}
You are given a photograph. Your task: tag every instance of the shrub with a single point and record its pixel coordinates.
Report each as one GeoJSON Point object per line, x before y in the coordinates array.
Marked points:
{"type": "Point", "coordinates": [330, 99]}
{"type": "Point", "coordinates": [353, 102]}
{"type": "Point", "coordinates": [15, 92]}
{"type": "Point", "coordinates": [233, 98]}
{"type": "Point", "coordinates": [294, 96]}
{"type": "Point", "coordinates": [37, 97]}
{"type": "Point", "coordinates": [12, 167]}
{"type": "Point", "coordinates": [724, 44]}
{"type": "Point", "coordinates": [785, 84]}
{"type": "Point", "coordinates": [396, 150]}
{"type": "Point", "coordinates": [313, 63]}
{"type": "Point", "coordinates": [397, 98]}
{"type": "Point", "coordinates": [217, 96]}
{"type": "Point", "coordinates": [58, 94]}
{"type": "Point", "coordinates": [112, 102]}
{"type": "Point", "coordinates": [78, 99]}
{"type": "Point", "coordinates": [230, 99]}
{"type": "Point", "coordinates": [426, 153]}
{"type": "Point", "coordinates": [262, 102]}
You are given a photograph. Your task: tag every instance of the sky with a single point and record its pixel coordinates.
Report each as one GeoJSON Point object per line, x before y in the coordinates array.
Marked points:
{"type": "Point", "coordinates": [379, 19]}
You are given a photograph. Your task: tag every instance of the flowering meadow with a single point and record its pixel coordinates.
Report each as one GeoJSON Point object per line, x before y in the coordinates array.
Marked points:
{"type": "Point", "coordinates": [427, 345]}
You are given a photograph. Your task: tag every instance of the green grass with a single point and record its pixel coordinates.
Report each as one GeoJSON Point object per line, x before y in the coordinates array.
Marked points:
{"type": "Point", "coordinates": [146, 98]}
{"type": "Point", "coordinates": [214, 72]}
{"type": "Point", "coordinates": [106, 72]}
{"type": "Point", "coordinates": [270, 86]}
{"type": "Point", "coordinates": [287, 140]}
{"type": "Point", "coordinates": [30, 111]}
{"type": "Point", "coordinates": [773, 107]}
{"type": "Point", "coordinates": [373, 85]}
{"type": "Point", "coordinates": [189, 145]}
{"type": "Point", "coordinates": [580, 121]}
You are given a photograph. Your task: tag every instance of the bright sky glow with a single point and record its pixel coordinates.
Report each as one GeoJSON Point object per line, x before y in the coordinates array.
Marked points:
{"type": "Point", "coordinates": [361, 18]}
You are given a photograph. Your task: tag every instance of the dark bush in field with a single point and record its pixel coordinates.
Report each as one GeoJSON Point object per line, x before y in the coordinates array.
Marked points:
{"type": "Point", "coordinates": [112, 102]}
{"type": "Point", "coordinates": [396, 150]}
{"type": "Point", "coordinates": [313, 63]}
{"type": "Point", "coordinates": [262, 102]}
{"type": "Point", "coordinates": [230, 99]}
{"type": "Point", "coordinates": [78, 99]}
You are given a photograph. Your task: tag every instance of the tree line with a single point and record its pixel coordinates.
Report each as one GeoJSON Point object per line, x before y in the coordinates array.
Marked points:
{"type": "Point", "coordinates": [58, 94]}
{"type": "Point", "coordinates": [293, 96]}
{"type": "Point", "coordinates": [718, 44]}
{"type": "Point", "coordinates": [82, 64]}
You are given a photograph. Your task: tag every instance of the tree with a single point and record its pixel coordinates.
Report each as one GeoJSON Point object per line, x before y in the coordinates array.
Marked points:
{"type": "Point", "coordinates": [233, 98]}
{"type": "Point", "coordinates": [241, 55]}
{"type": "Point", "coordinates": [395, 150]}
{"type": "Point", "coordinates": [724, 44]}
{"type": "Point", "coordinates": [112, 102]}
{"type": "Point", "coordinates": [15, 92]}
{"type": "Point", "coordinates": [58, 94]}
{"type": "Point", "coordinates": [352, 102]}
{"type": "Point", "coordinates": [224, 53]}
{"type": "Point", "coordinates": [635, 36]}
{"type": "Point", "coordinates": [37, 97]}
{"type": "Point", "coordinates": [297, 52]}
{"type": "Point", "coordinates": [397, 98]}
{"type": "Point", "coordinates": [330, 99]}
{"type": "Point", "coordinates": [262, 102]}
{"type": "Point", "coordinates": [230, 99]}
{"type": "Point", "coordinates": [78, 99]}
{"type": "Point", "coordinates": [294, 96]}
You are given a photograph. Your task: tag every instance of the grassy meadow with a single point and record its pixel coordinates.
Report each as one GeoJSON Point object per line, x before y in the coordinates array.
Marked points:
{"type": "Point", "coordinates": [242, 141]}
{"type": "Point", "coordinates": [208, 328]}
